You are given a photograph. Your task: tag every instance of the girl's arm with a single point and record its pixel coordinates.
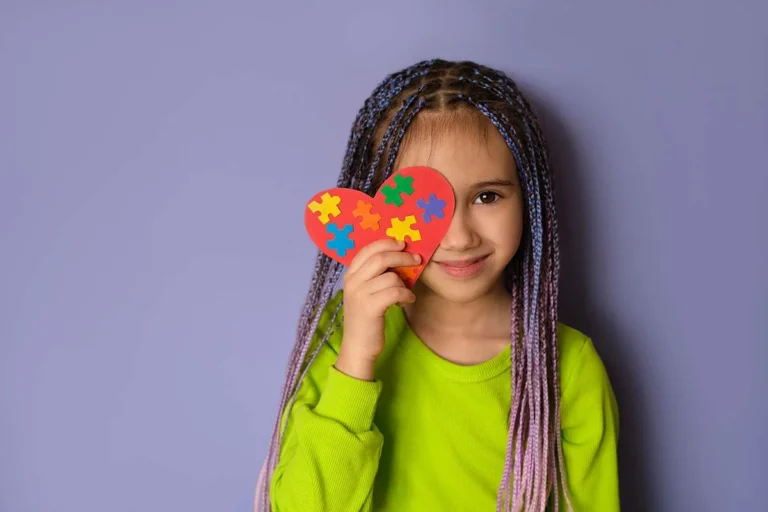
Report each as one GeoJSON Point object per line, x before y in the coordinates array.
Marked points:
{"type": "Point", "coordinates": [331, 447]}
{"type": "Point", "coordinates": [590, 424]}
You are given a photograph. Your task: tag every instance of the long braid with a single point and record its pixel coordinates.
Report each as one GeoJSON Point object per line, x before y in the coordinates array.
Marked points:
{"type": "Point", "coordinates": [532, 472]}
{"type": "Point", "coordinates": [547, 327]}
{"type": "Point", "coordinates": [403, 125]}
{"type": "Point", "coordinates": [369, 118]}
{"type": "Point", "coordinates": [534, 444]}
{"type": "Point", "coordinates": [538, 144]}
{"type": "Point", "coordinates": [392, 128]}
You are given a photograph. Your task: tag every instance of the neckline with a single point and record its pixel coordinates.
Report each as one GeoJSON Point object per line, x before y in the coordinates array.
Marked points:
{"type": "Point", "coordinates": [488, 369]}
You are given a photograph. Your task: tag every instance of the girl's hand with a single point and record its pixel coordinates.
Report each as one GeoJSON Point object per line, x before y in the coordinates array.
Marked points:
{"type": "Point", "coordinates": [370, 288]}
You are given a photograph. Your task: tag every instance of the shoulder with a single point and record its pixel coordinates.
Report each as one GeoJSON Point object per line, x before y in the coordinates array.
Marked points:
{"type": "Point", "coordinates": [587, 396]}
{"type": "Point", "coordinates": [578, 359]}
{"type": "Point", "coordinates": [589, 424]}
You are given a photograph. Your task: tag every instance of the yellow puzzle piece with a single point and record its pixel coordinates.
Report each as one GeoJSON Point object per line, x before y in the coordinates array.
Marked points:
{"type": "Point", "coordinates": [328, 207]}
{"type": "Point", "coordinates": [402, 228]}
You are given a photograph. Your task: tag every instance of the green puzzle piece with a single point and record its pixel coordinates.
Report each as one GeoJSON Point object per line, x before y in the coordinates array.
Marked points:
{"type": "Point", "coordinates": [404, 186]}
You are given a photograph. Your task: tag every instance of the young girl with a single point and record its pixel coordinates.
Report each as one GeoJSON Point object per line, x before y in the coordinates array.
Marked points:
{"type": "Point", "coordinates": [465, 393]}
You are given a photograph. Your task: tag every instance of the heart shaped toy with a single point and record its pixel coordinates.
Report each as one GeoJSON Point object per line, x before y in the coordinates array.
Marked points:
{"type": "Point", "coordinates": [414, 205]}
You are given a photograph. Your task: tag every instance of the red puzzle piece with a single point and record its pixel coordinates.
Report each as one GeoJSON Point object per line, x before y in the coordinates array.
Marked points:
{"type": "Point", "coordinates": [415, 204]}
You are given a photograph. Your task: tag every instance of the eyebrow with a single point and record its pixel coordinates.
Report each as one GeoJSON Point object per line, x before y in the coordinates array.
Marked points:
{"type": "Point", "coordinates": [494, 183]}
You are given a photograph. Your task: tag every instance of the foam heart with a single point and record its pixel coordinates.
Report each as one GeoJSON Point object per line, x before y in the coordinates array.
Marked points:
{"type": "Point", "coordinates": [414, 205]}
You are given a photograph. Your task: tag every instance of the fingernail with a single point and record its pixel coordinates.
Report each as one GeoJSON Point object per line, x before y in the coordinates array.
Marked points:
{"type": "Point", "coordinates": [416, 257]}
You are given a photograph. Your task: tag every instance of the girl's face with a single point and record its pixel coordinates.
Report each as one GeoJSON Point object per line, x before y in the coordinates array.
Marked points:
{"type": "Point", "coordinates": [487, 227]}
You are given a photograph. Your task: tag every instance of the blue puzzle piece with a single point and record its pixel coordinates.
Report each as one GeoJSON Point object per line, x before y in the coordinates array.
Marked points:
{"type": "Point", "coordinates": [341, 242]}
{"type": "Point", "coordinates": [432, 208]}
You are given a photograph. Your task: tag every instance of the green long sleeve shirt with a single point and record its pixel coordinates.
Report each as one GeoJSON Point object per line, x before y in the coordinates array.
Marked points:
{"type": "Point", "coordinates": [431, 435]}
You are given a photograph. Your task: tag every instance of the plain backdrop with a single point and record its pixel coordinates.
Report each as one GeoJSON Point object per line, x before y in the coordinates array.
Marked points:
{"type": "Point", "coordinates": [155, 158]}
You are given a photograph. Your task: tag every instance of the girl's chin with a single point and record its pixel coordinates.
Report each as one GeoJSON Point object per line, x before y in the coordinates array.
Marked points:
{"type": "Point", "coordinates": [433, 281]}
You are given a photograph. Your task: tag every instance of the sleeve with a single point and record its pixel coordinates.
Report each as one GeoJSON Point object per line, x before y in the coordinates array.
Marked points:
{"type": "Point", "coordinates": [590, 424]}
{"type": "Point", "coordinates": [331, 448]}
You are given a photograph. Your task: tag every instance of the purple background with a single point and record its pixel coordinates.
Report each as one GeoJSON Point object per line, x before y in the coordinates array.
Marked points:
{"type": "Point", "coordinates": [155, 157]}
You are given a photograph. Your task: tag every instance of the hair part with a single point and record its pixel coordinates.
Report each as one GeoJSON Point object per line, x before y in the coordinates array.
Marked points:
{"type": "Point", "coordinates": [423, 101]}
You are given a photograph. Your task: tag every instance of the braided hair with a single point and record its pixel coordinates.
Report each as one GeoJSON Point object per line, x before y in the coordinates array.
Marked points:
{"type": "Point", "coordinates": [534, 462]}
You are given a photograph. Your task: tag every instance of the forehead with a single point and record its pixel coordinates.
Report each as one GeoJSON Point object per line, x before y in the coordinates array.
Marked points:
{"type": "Point", "coordinates": [465, 148]}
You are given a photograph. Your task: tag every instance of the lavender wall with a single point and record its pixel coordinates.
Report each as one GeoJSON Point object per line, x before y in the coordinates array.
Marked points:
{"type": "Point", "coordinates": [154, 160]}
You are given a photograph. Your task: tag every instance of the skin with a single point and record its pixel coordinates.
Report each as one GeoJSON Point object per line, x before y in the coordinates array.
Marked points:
{"type": "Point", "coordinates": [464, 320]}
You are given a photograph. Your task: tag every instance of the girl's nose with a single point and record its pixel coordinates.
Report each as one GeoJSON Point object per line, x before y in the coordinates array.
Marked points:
{"type": "Point", "coordinates": [460, 235]}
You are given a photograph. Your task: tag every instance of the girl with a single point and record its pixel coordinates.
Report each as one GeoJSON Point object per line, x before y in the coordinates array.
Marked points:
{"type": "Point", "coordinates": [466, 393]}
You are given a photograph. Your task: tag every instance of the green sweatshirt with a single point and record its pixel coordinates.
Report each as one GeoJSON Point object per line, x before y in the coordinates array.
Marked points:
{"type": "Point", "coordinates": [430, 435]}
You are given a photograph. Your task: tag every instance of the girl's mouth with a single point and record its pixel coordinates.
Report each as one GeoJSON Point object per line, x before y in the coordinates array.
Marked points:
{"type": "Point", "coordinates": [463, 268]}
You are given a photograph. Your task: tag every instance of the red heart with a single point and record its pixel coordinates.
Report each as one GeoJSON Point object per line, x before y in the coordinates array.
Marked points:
{"type": "Point", "coordinates": [414, 204]}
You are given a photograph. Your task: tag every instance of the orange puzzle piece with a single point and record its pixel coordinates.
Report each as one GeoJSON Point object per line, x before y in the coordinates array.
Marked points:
{"type": "Point", "coordinates": [368, 220]}
{"type": "Point", "coordinates": [408, 273]}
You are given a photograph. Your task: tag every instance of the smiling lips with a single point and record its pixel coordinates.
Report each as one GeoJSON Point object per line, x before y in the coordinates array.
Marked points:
{"type": "Point", "coordinates": [463, 268]}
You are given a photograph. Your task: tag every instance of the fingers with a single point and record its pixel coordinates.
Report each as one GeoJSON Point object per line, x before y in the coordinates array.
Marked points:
{"type": "Point", "coordinates": [380, 262]}
{"type": "Point", "coordinates": [387, 297]}
{"type": "Point", "coordinates": [370, 287]}
{"type": "Point", "coordinates": [386, 244]}
{"type": "Point", "coordinates": [382, 282]}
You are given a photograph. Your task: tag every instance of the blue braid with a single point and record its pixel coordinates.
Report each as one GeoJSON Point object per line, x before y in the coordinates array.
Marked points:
{"type": "Point", "coordinates": [388, 134]}
{"type": "Point", "coordinates": [534, 203]}
{"type": "Point", "coordinates": [532, 195]}
{"type": "Point", "coordinates": [373, 110]}
{"type": "Point", "coordinates": [400, 135]}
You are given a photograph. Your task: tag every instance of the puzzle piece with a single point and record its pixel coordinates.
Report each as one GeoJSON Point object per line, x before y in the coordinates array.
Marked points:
{"type": "Point", "coordinates": [341, 242]}
{"type": "Point", "coordinates": [407, 272]}
{"type": "Point", "coordinates": [402, 228]}
{"type": "Point", "coordinates": [329, 206]}
{"type": "Point", "coordinates": [432, 208]}
{"type": "Point", "coordinates": [368, 220]}
{"type": "Point", "coordinates": [404, 185]}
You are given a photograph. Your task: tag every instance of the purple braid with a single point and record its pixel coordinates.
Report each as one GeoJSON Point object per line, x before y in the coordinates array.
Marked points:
{"type": "Point", "coordinates": [395, 123]}
{"type": "Point", "coordinates": [553, 256]}
{"type": "Point", "coordinates": [533, 466]}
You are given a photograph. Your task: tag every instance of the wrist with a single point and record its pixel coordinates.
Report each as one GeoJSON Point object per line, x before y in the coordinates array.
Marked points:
{"type": "Point", "coordinates": [356, 364]}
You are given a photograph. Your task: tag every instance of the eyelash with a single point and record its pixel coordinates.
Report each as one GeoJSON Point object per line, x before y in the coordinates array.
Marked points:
{"type": "Point", "coordinates": [487, 192]}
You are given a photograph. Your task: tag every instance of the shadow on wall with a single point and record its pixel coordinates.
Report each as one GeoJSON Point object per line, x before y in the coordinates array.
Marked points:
{"type": "Point", "coordinates": [578, 309]}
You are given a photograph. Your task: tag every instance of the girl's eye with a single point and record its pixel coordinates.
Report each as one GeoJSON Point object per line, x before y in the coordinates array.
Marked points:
{"type": "Point", "coordinates": [487, 198]}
